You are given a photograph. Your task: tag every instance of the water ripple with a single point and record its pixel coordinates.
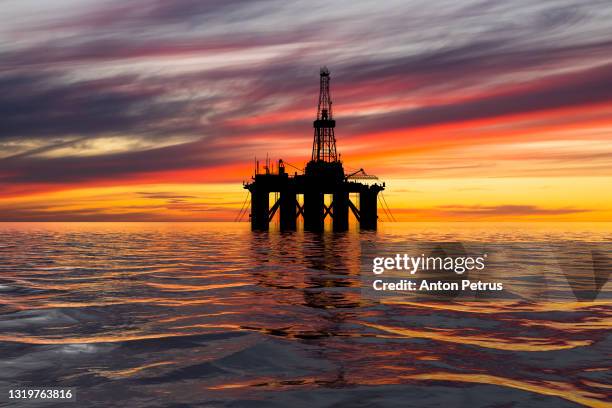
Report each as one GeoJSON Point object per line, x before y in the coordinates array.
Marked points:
{"type": "Point", "coordinates": [212, 313]}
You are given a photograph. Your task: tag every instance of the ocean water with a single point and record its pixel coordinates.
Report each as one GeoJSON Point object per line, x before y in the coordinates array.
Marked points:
{"type": "Point", "coordinates": [212, 314]}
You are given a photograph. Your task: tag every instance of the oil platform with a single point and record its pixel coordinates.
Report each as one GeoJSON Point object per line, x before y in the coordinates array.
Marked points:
{"type": "Point", "coordinates": [324, 174]}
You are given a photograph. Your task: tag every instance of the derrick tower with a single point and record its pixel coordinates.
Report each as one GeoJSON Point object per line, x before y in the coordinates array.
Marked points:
{"type": "Point", "coordinates": [324, 159]}
{"type": "Point", "coordinates": [324, 143]}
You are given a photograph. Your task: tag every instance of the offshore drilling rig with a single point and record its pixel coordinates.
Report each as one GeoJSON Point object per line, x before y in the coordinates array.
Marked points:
{"type": "Point", "coordinates": [324, 174]}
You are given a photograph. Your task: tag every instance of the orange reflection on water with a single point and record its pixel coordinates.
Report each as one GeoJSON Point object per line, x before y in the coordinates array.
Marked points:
{"type": "Point", "coordinates": [500, 343]}
{"type": "Point", "coordinates": [23, 304]}
{"type": "Point", "coordinates": [603, 324]}
{"type": "Point", "coordinates": [130, 372]}
{"type": "Point", "coordinates": [86, 340]}
{"type": "Point", "coordinates": [195, 288]}
{"type": "Point", "coordinates": [553, 388]}
{"type": "Point", "coordinates": [195, 316]}
{"type": "Point", "coordinates": [503, 306]}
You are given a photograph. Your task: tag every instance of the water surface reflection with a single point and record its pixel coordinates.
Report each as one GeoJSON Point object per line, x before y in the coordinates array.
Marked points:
{"type": "Point", "coordinates": [154, 314]}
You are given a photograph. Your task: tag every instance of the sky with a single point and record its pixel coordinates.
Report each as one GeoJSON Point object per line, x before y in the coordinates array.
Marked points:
{"type": "Point", "coordinates": [154, 110]}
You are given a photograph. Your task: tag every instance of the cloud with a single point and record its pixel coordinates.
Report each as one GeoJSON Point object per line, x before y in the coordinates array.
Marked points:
{"type": "Point", "coordinates": [164, 196]}
{"type": "Point", "coordinates": [77, 169]}
{"type": "Point", "coordinates": [35, 104]}
{"type": "Point", "coordinates": [561, 91]}
{"type": "Point", "coordinates": [505, 210]}
{"type": "Point", "coordinates": [144, 13]}
{"type": "Point", "coordinates": [80, 215]}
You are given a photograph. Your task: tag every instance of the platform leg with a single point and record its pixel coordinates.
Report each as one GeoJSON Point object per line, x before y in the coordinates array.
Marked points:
{"type": "Point", "coordinates": [368, 209]}
{"type": "Point", "coordinates": [313, 211]}
{"type": "Point", "coordinates": [260, 206]}
{"type": "Point", "coordinates": [288, 210]}
{"type": "Point", "coordinates": [341, 211]}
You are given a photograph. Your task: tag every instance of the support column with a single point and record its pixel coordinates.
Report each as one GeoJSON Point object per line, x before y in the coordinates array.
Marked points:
{"type": "Point", "coordinates": [341, 211]}
{"type": "Point", "coordinates": [260, 205]}
{"type": "Point", "coordinates": [288, 210]}
{"type": "Point", "coordinates": [368, 209]}
{"type": "Point", "coordinates": [313, 211]}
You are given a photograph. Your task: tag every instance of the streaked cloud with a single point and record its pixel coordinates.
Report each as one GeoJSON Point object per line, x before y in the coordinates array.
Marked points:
{"type": "Point", "coordinates": [479, 211]}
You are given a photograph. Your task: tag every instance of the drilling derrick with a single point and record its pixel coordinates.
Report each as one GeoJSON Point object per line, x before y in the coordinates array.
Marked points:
{"type": "Point", "coordinates": [324, 174]}
{"type": "Point", "coordinates": [324, 160]}
{"type": "Point", "coordinates": [324, 143]}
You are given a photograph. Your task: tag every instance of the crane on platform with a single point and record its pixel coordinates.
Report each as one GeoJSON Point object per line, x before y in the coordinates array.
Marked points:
{"type": "Point", "coordinates": [360, 175]}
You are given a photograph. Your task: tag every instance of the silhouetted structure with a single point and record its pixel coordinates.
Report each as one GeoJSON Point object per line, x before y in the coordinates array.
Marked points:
{"type": "Point", "coordinates": [324, 174]}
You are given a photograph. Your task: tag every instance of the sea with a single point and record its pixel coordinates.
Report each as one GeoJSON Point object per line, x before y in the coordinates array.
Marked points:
{"type": "Point", "coordinates": [215, 315]}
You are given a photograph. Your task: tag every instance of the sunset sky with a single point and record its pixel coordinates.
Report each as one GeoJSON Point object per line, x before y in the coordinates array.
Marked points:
{"type": "Point", "coordinates": [154, 110]}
